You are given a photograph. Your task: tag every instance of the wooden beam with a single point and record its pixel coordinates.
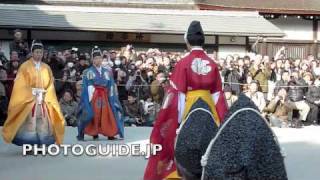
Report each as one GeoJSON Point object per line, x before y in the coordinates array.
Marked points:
{"type": "Point", "coordinates": [248, 47]}
{"type": "Point", "coordinates": [315, 38]}
{"type": "Point", "coordinates": [264, 48]}
{"type": "Point", "coordinates": [216, 46]}
{"type": "Point", "coordinates": [29, 38]}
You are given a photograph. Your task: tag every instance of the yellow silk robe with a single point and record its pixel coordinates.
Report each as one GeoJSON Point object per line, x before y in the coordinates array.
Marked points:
{"type": "Point", "coordinates": [22, 100]}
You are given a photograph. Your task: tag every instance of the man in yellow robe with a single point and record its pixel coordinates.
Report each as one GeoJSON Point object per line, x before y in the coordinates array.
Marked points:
{"type": "Point", "coordinates": [34, 115]}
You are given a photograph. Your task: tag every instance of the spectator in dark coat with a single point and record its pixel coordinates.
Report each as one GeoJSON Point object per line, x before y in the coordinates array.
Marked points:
{"type": "Point", "coordinates": [230, 98]}
{"type": "Point", "coordinates": [81, 66]}
{"type": "Point", "coordinates": [243, 72]}
{"type": "Point", "coordinates": [19, 45]}
{"type": "Point", "coordinates": [69, 108]}
{"type": "Point", "coordinates": [12, 69]}
{"type": "Point", "coordinates": [232, 77]}
{"type": "Point", "coordinates": [133, 110]}
{"type": "Point", "coordinates": [313, 99]}
{"type": "Point", "coordinates": [121, 84]}
{"type": "Point", "coordinates": [3, 58]}
{"type": "Point", "coordinates": [137, 85]}
{"type": "Point", "coordinates": [285, 78]}
{"type": "Point", "coordinates": [57, 65]}
{"type": "Point", "coordinates": [3, 104]}
{"type": "Point", "coordinates": [70, 76]}
{"type": "Point", "coordinates": [279, 109]}
{"type": "Point", "coordinates": [296, 94]}
{"type": "Point", "coordinates": [77, 96]}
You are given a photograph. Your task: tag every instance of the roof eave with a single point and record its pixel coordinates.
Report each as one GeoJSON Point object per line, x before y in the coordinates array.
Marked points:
{"type": "Point", "coordinates": [143, 31]}
{"type": "Point", "coordinates": [260, 10]}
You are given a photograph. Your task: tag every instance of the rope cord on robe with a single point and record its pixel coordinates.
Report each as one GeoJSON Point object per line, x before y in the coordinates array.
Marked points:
{"type": "Point", "coordinates": [204, 159]}
{"type": "Point", "coordinates": [230, 83]}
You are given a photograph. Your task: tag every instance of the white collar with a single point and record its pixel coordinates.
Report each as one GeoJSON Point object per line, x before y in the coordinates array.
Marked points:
{"type": "Point", "coordinates": [99, 69]}
{"type": "Point", "coordinates": [37, 64]}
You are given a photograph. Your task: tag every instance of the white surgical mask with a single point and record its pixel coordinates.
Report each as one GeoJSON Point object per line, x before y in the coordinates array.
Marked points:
{"type": "Point", "coordinates": [105, 63]}
{"type": "Point", "coordinates": [150, 73]}
{"type": "Point", "coordinates": [70, 64]}
{"type": "Point", "coordinates": [117, 62]}
{"type": "Point", "coordinates": [162, 79]}
{"type": "Point", "coordinates": [317, 71]}
{"type": "Point", "coordinates": [110, 63]}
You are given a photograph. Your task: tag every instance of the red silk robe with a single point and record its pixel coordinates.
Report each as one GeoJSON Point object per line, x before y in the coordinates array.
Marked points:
{"type": "Point", "coordinates": [196, 71]}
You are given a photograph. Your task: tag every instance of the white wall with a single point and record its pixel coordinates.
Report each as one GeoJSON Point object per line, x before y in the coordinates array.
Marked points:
{"type": "Point", "coordinates": [225, 50]}
{"type": "Point", "coordinates": [231, 45]}
{"type": "Point", "coordinates": [294, 28]}
{"type": "Point", "coordinates": [232, 40]}
{"type": "Point", "coordinates": [318, 31]}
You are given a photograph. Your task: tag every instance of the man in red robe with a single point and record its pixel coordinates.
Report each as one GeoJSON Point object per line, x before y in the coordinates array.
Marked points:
{"type": "Point", "coordinates": [195, 78]}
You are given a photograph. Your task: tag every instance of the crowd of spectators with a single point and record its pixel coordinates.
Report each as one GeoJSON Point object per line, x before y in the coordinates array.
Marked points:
{"type": "Point", "coordinates": [286, 91]}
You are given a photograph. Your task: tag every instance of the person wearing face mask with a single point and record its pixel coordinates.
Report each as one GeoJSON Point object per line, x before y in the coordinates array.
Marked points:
{"type": "Point", "coordinates": [34, 114]}
{"type": "Point", "coordinates": [100, 109]}
{"type": "Point", "coordinates": [107, 62]}
{"type": "Point", "coordinates": [117, 62]}
{"type": "Point", "coordinates": [69, 76]}
{"type": "Point", "coordinates": [116, 67]}
{"type": "Point", "coordinates": [316, 69]}
{"type": "Point", "coordinates": [313, 100]}
{"type": "Point", "coordinates": [150, 77]}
